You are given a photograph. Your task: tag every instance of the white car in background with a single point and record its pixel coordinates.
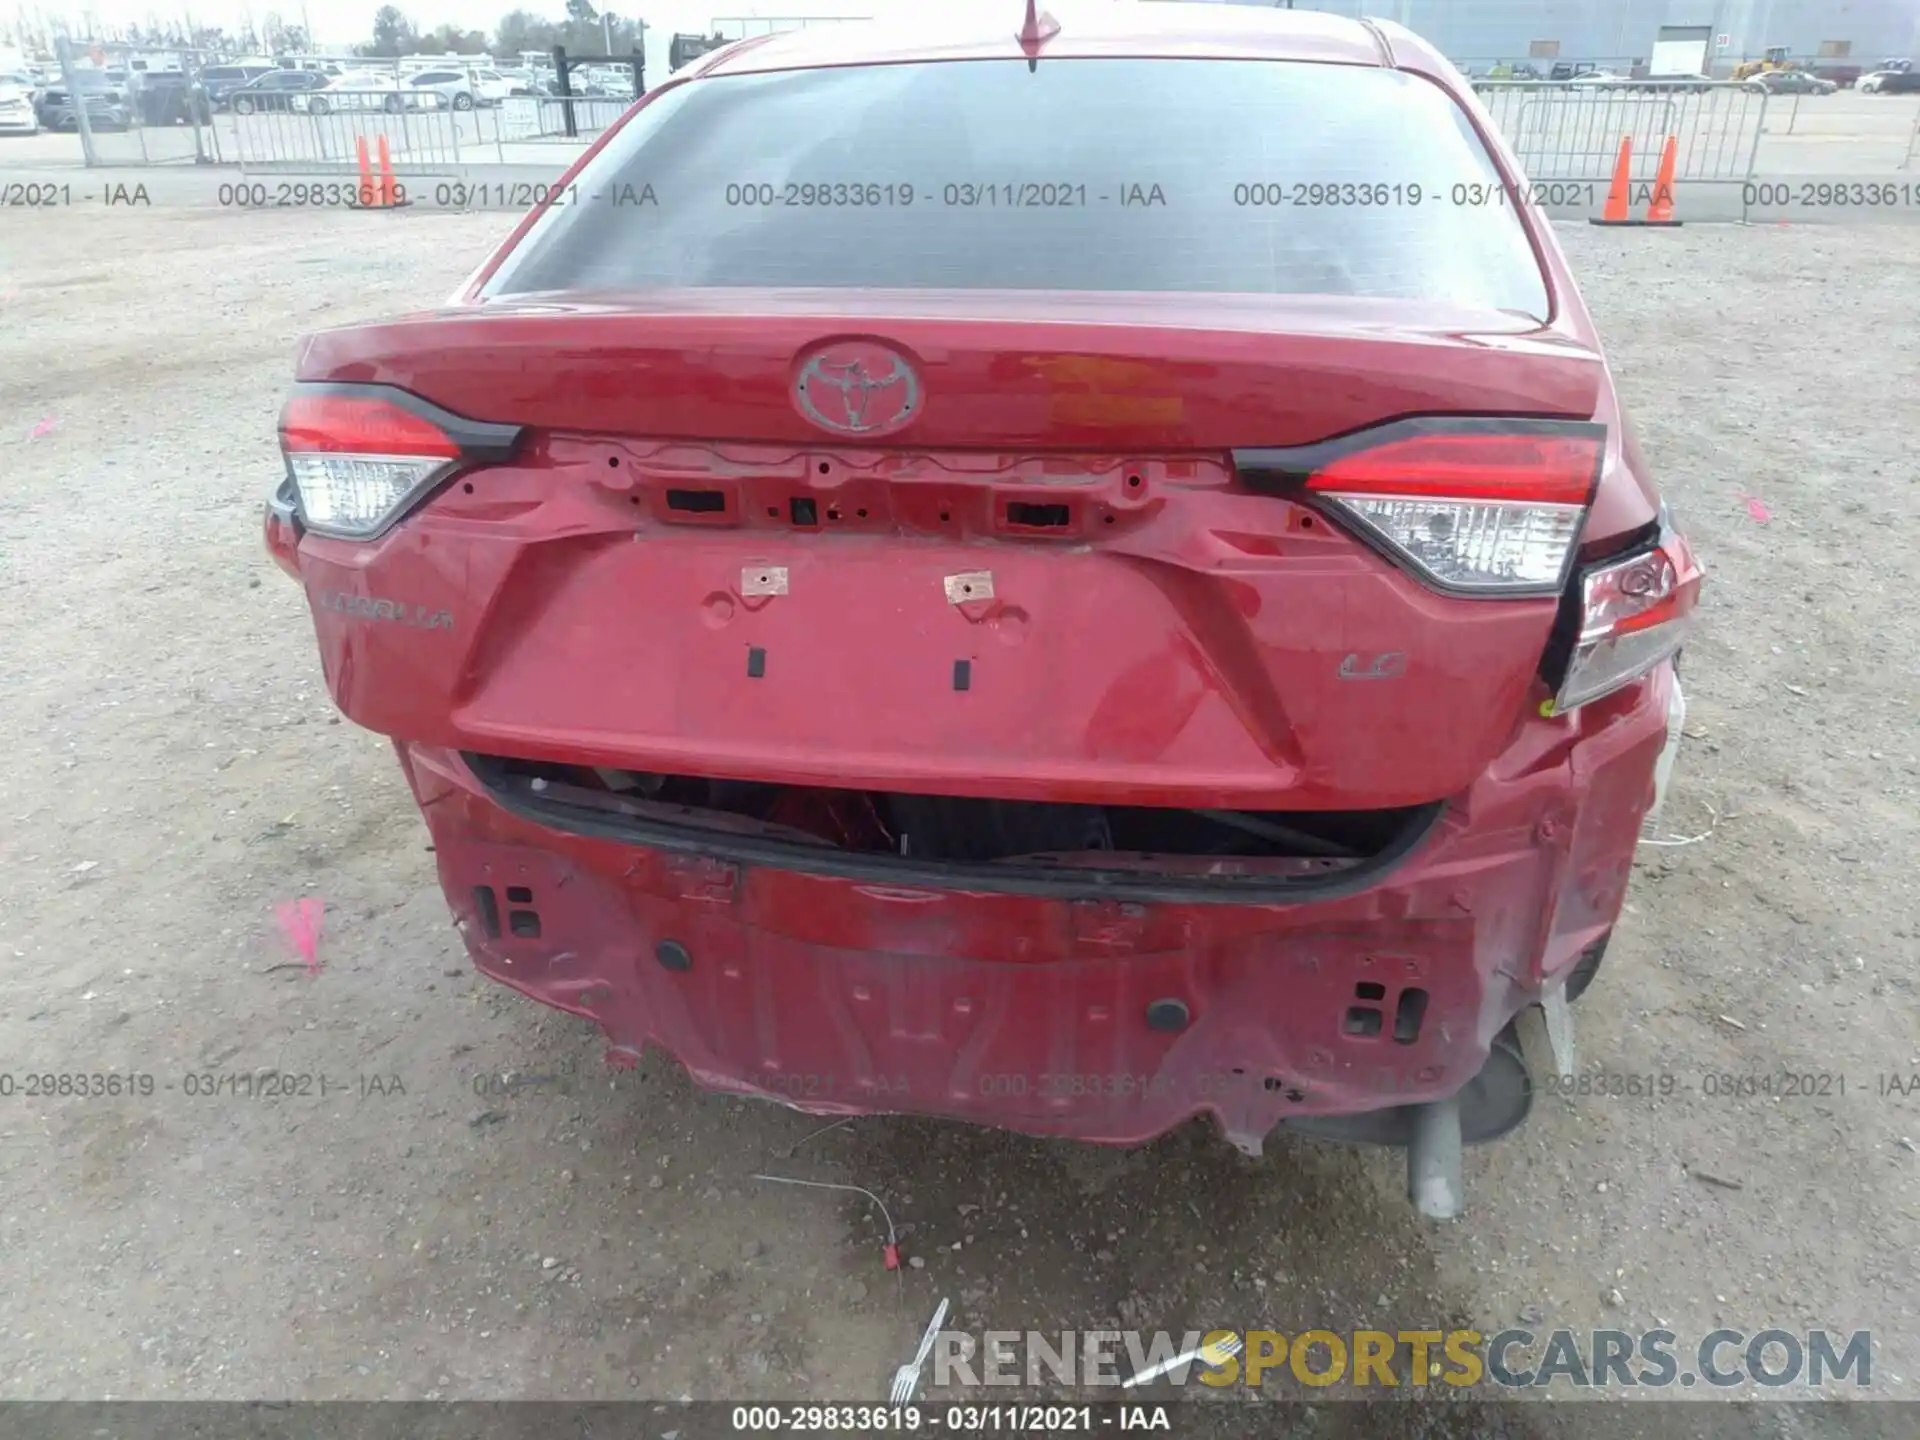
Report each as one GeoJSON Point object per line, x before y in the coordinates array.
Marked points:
{"type": "Point", "coordinates": [464, 89]}
{"type": "Point", "coordinates": [17, 115]}
{"type": "Point", "coordinates": [367, 90]}
{"type": "Point", "coordinates": [523, 82]}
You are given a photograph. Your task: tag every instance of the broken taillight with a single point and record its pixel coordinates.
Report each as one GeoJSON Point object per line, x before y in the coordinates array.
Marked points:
{"type": "Point", "coordinates": [1481, 508]}
{"type": "Point", "coordinates": [360, 456]}
{"type": "Point", "coordinates": [1634, 614]}
{"type": "Point", "coordinates": [281, 527]}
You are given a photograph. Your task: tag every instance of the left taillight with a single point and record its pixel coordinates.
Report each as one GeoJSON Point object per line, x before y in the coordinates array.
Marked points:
{"type": "Point", "coordinates": [359, 457]}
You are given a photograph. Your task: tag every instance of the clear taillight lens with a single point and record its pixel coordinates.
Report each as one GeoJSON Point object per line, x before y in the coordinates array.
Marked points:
{"type": "Point", "coordinates": [359, 460]}
{"type": "Point", "coordinates": [1493, 511]}
{"type": "Point", "coordinates": [1474, 544]}
{"type": "Point", "coordinates": [1635, 614]}
{"type": "Point", "coordinates": [360, 456]}
{"type": "Point", "coordinates": [356, 495]}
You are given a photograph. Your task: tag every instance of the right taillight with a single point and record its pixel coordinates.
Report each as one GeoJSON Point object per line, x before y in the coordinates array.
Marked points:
{"type": "Point", "coordinates": [1634, 614]}
{"type": "Point", "coordinates": [1476, 507]}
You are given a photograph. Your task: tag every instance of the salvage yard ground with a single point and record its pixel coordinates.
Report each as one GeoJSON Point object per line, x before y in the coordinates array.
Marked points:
{"type": "Point", "coordinates": [175, 769]}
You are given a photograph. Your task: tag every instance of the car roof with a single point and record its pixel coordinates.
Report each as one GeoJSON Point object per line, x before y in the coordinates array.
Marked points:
{"type": "Point", "coordinates": [1135, 28]}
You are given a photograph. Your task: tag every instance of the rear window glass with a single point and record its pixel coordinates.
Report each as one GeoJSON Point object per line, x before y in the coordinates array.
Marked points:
{"type": "Point", "coordinates": [1263, 177]}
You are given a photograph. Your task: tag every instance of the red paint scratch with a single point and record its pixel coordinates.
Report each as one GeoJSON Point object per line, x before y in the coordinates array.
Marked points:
{"type": "Point", "coordinates": [301, 920]}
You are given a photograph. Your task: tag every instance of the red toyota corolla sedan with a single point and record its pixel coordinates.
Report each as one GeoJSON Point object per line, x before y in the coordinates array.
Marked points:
{"type": "Point", "coordinates": [1068, 575]}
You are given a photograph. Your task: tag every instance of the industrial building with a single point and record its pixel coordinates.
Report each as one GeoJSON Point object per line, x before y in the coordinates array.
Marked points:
{"type": "Point", "coordinates": [1666, 36]}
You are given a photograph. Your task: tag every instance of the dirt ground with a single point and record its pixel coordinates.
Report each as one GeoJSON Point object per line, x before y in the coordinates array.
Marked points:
{"type": "Point", "coordinates": [176, 769]}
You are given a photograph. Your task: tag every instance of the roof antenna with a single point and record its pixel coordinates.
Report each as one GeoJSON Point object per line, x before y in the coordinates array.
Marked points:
{"type": "Point", "coordinates": [1038, 28]}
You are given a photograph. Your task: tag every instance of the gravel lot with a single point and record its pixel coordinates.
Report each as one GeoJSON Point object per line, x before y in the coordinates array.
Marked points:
{"type": "Point", "coordinates": [177, 769]}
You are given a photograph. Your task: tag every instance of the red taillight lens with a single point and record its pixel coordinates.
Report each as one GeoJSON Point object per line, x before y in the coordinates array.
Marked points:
{"type": "Point", "coordinates": [1480, 510]}
{"type": "Point", "coordinates": [360, 425]}
{"type": "Point", "coordinates": [1545, 469]}
{"type": "Point", "coordinates": [1634, 615]}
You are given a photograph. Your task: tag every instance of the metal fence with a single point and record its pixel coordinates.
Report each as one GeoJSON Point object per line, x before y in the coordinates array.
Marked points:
{"type": "Point", "coordinates": [520, 130]}
{"type": "Point", "coordinates": [1725, 132]}
{"type": "Point", "coordinates": [421, 132]}
{"type": "Point", "coordinates": [546, 117]}
{"type": "Point", "coordinates": [1564, 132]}
{"type": "Point", "coordinates": [131, 105]}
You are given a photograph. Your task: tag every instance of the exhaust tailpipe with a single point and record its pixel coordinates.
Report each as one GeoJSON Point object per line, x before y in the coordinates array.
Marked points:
{"type": "Point", "coordinates": [1434, 1181]}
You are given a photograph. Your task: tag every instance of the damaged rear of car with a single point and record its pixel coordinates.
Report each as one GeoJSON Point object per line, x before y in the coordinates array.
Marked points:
{"type": "Point", "coordinates": [906, 589]}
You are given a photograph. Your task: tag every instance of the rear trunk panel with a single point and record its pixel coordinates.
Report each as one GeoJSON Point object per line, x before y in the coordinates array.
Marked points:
{"type": "Point", "coordinates": [1189, 373]}
{"type": "Point", "coordinates": [1048, 588]}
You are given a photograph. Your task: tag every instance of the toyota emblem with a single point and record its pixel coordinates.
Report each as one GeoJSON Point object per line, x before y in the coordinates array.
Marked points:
{"type": "Point", "coordinates": [857, 387]}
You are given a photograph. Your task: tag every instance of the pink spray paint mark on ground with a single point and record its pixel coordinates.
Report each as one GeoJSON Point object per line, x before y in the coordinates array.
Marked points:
{"type": "Point", "coordinates": [301, 920]}
{"type": "Point", "coordinates": [1757, 509]}
{"type": "Point", "coordinates": [43, 427]}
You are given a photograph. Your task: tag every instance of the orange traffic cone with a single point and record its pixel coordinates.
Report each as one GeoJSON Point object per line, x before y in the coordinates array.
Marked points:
{"type": "Point", "coordinates": [389, 187]}
{"type": "Point", "coordinates": [369, 196]}
{"type": "Point", "coordinates": [1660, 206]}
{"type": "Point", "coordinates": [1615, 212]}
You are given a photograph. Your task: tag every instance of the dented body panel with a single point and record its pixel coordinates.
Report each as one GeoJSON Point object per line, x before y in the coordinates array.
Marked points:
{"type": "Point", "coordinates": [1030, 1013]}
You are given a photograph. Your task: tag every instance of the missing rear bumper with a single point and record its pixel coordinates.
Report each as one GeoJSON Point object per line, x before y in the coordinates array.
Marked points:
{"type": "Point", "coordinates": [1132, 854]}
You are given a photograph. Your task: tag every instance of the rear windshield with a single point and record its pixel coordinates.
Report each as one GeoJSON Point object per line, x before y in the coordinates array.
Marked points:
{"type": "Point", "coordinates": [1229, 176]}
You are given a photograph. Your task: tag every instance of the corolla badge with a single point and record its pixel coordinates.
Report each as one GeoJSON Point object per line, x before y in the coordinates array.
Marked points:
{"type": "Point", "coordinates": [1388, 665]}
{"type": "Point", "coordinates": [857, 387]}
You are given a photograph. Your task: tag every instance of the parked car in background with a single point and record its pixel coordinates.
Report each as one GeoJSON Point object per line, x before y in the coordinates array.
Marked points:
{"type": "Point", "coordinates": [274, 91]}
{"type": "Point", "coordinates": [1688, 82]}
{"type": "Point", "coordinates": [1600, 79]}
{"type": "Point", "coordinates": [1891, 82]}
{"type": "Point", "coordinates": [169, 97]}
{"type": "Point", "coordinates": [217, 82]}
{"type": "Point", "coordinates": [464, 89]}
{"type": "Point", "coordinates": [451, 85]}
{"type": "Point", "coordinates": [366, 90]}
{"type": "Point", "coordinates": [1791, 82]}
{"type": "Point", "coordinates": [491, 86]}
{"type": "Point", "coordinates": [103, 92]}
{"type": "Point", "coordinates": [17, 114]}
